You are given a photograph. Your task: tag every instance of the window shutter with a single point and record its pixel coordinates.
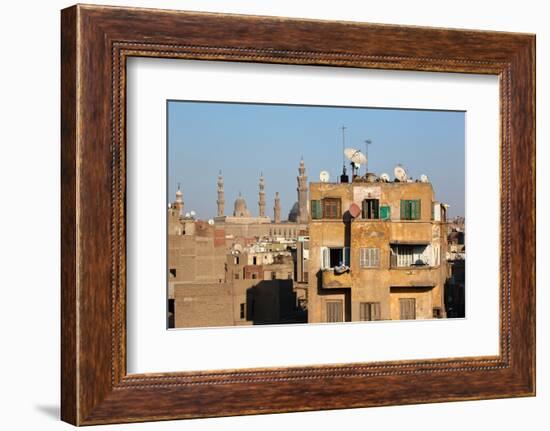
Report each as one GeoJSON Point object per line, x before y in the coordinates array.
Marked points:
{"type": "Point", "coordinates": [376, 205]}
{"type": "Point", "coordinates": [417, 209]}
{"type": "Point", "coordinates": [325, 258]}
{"type": "Point", "coordinates": [346, 256]}
{"type": "Point", "coordinates": [404, 208]}
{"type": "Point", "coordinates": [316, 209]}
{"type": "Point", "coordinates": [376, 311]}
{"type": "Point", "coordinates": [385, 212]}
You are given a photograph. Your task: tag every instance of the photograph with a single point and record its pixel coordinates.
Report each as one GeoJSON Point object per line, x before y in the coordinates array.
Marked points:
{"type": "Point", "coordinates": [300, 214]}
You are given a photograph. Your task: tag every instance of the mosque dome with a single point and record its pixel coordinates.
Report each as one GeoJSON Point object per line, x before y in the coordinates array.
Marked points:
{"type": "Point", "coordinates": [240, 208]}
{"type": "Point", "coordinates": [293, 214]}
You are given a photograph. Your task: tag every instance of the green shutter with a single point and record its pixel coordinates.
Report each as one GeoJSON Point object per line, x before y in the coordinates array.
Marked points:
{"type": "Point", "coordinates": [385, 212]}
{"type": "Point", "coordinates": [315, 209]}
{"type": "Point", "coordinates": [416, 206]}
{"type": "Point", "coordinates": [406, 210]}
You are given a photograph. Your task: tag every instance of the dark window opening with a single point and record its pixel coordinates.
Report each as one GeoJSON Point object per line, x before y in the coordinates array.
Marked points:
{"type": "Point", "coordinates": [242, 311]}
{"type": "Point", "coordinates": [336, 256]}
{"type": "Point", "coordinates": [370, 209]}
{"type": "Point", "coordinates": [173, 272]}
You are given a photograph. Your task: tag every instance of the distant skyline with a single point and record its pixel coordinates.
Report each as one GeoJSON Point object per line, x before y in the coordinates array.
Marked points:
{"type": "Point", "coordinates": [244, 140]}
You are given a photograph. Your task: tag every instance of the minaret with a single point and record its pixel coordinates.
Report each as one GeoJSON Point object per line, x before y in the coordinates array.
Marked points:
{"type": "Point", "coordinates": [261, 201]}
{"type": "Point", "coordinates": [179, 201]}
{"type": "Point", "coordinates": [277, 209]}
{"type": "Point", "coordinates": [221, 196]}
{"type": "Point", "coordinates": [302, 193]}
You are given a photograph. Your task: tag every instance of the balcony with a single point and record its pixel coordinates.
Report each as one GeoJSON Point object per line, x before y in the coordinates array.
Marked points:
{"type": "Point", "coordinates": [332, 280]}
{"type": "Point", "coordinates": [415, 277]}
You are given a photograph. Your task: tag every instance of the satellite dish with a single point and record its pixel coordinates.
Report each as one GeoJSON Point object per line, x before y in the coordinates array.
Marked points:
{"type": "Point", "coordinates": [324, 176]}
{"type": "Point", "coordinates": [385, 178]}
{"type": "Point", "coordinates": [187, 215]}
{"type": "Point", "coordinates": [193, 213]}
{"type": "Point", "coordinates": [355, 156]}
{"type": "Point", "coordinates": [354, 210]}
{"type": "Point", "coordinates": [424, 179]}
{"type": "Point", "coordinates": [400, 173]}
{"type": "Point", "coordinates": [211, 222]}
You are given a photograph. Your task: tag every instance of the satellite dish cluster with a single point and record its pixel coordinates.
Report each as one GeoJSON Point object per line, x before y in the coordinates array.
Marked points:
{"type": "Point", "coordinates": [357, 158]}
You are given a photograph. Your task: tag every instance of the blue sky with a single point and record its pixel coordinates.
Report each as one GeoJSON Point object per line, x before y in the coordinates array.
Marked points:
{"type": "Point", "coordinates": [244, 140]}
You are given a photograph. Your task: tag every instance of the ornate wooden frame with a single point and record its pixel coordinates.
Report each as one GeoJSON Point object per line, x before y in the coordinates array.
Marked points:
{"type": "Point", "coordinates": [95, 43]}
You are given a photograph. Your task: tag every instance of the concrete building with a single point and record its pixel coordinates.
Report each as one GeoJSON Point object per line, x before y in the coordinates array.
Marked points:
{"type": "Point", "coordinates": [237, 269]}
{"type": "Point", "coordinates": [377, 251]}
{"type": "Point", "coordinates": [455, 289]}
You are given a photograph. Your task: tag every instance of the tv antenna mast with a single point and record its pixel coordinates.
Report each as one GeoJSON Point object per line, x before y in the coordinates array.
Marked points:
{"type": "Point", "coordinates": [367, 143]}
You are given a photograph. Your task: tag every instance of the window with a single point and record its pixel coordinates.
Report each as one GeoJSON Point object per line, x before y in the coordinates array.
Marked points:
{"type": "Point", "coordinates": [236, 276]}
{"type": "Point", "coordinates": [254, 260]}
{"type": "Point", "coordinates": [316, 212]}
{"type": "Point", "coordinates": [335, 311]}
{"type": "Point", "coordinates": [242, 311]}
{"type": "Point", "coordinates": [369, 257]}
{"type": "Point", "coordinates": [273, 275]}
{"type": "Point", "coordinates": [173, 272]}
{"type": "Point", "coordinates": [385, 212]}
{"type": "Point", "coordinates": [236, 260]}
{"type": "Point", "coordinates": [332, 208]}
{"type": "Point", "coordinates": [407, 308]}
{"type": "Point", "coordinates": [410, 209]}
{"type": "Point", "coordinates": [332, 257]}
{"type": "Point", "coordinates": [254, 276]}
{"type": "Point", "coordinates": [405, 255]}
{"type": "Point", "coordinates": [370, 209]}
{"type": "Point", "coordinates": [369, 311]}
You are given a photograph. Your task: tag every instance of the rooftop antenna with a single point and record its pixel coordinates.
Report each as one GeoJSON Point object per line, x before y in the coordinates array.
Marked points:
{"type": "Point", "coordinates": [367, 143]}
{"type": "Point", "coordinates": [343, 177]}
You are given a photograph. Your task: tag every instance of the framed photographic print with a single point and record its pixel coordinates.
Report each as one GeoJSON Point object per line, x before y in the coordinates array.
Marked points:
{"type": "Point", "coordinates": [285, 207]}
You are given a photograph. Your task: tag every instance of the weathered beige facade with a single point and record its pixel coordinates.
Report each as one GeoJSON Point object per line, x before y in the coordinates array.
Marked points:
{"type": "Point", "coordinates": [376, 252]}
